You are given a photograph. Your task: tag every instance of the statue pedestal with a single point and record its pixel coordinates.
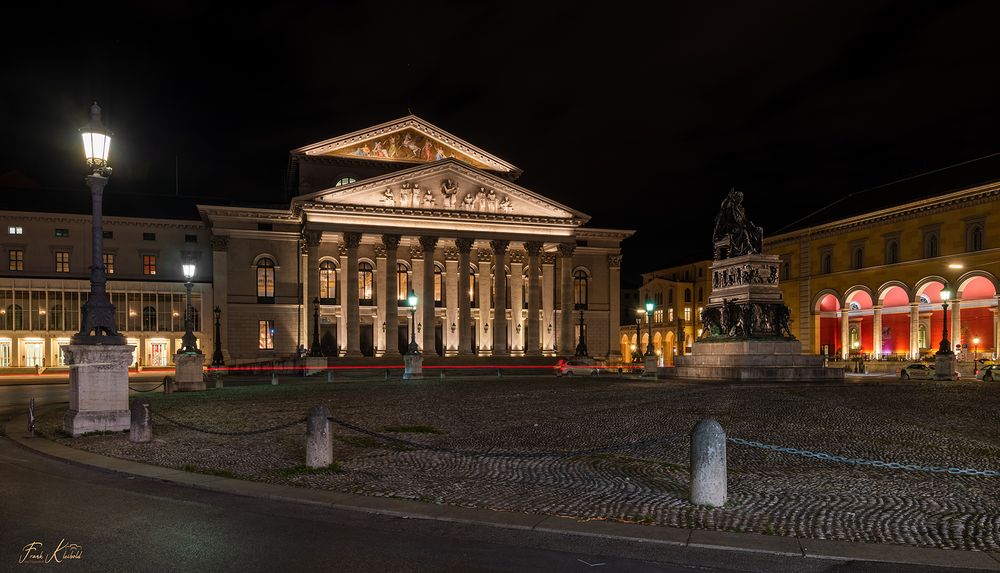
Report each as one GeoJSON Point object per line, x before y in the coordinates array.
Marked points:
{"type": "Point", "coordinates": [650, 364]}
{"type": "Point", "coordinates": [98, 388]}
{"type": "Point", "coordinates": [413, 366]}
{"type": "Point", "coordinates": [945, 365]}
{"type": "Point", "coordinates": [188, 372]}
{"type": "Point", "coordinates": [752, 360]}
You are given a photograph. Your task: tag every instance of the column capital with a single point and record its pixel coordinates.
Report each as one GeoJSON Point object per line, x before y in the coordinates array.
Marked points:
{"type": "Point", "coordinates": [484, 255]}
{"type": "Point", "coordinates": [548, 258]}
{"type": "Point", "coordinates": [312, 238]}
{"type": "Point", "coordinates": [464, 245]}
{"type": "Point", "coordinates": [517, 256]}
{"type": "Point", "coordinates": [352, 240]}
{"type": "Point", "coordinates": [499, 246]}
{"type": "Point", "coordinates": [380, 252]}
{"type": "Point", "coordinates": [342, 250]}
{"type": "Point", "coordinates": [428, 244]}
{"type": "Point", "coordinates": [450, 254]}
{"type": "Point", "coordinates": [615, 261]}
{"type": "Point", "coordinates": [534, 248]}
{"type": "Point", "coordinates": [220, 243]}
{"type": "Point", "coordinates": [567, 249]}
{"type": "Point", "coordinates": [416, 252]}
{"type": "Point", "coordinates": [390, 241]}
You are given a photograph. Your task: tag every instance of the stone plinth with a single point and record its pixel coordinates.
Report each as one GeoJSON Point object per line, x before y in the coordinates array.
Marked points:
{"type": "Point", "coordinates": [188, 372]}
{"type": "Point", "coordinates": [413, 366]}
{"type": "Point", "coordinates": [650, 364]}
{"type": "Point", "coordinates": [945, 365]}
{"type": "Point", "coordinates": [752, 360]}
{"type": "Point", "coordinates": [98, 388]}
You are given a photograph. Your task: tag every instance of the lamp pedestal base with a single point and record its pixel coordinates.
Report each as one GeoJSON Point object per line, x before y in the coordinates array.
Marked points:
{"type": "Point", "coordinates": [188, 372]}
{"type": "Point", "coordinates": [413, 366]}
{"type": "Point", "coordinates": [98, 388]}
{"type": "Point", "coordinates": [650, 364]}
{"type": "Point", "coordinates": [945, 365]}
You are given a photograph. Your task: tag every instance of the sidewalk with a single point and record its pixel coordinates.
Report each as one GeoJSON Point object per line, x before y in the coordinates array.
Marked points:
{"type": "Point", "coordinates": [777, 545]}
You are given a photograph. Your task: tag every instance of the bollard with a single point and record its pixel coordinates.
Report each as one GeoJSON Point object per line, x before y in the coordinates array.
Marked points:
{"type": "Point", "coordinates": [274, 378]}
{"type": "Point", "coordinates": [387, 374]}
{"type": "Point", "coordinates": [218, 383]}
{"type": "Point", "coordinates": [168, 385]}
{"type": "Point", "coordinates": [319, 439]}
{"type": "Point", "coordinates": [329, 375]}
{"type": "Point", "coordinates": [498, 373]}
{"type": "Point", "coordinates": [708, 464]}
{"type": "Point", "coordinates": [141, 429]}
{"type": "Point", "coordinates": [442, 373]}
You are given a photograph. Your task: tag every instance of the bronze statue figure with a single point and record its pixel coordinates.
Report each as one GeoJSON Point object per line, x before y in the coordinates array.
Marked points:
{"type": "Point", "coordinates": [732, 226]}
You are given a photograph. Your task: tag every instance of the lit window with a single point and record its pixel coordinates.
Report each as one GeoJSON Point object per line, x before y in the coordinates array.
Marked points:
{"type": "Point", "coordinates": [657, 316]}
{"type": "Point", "coordinates": [15, 230]}
{"type": "Point", "coordinates": [328, 282]}
{"type": "Point", "coordinates": [265, 280]}
{"type": "Point", "coordinates": [16, 259]}
{"type": "Point", "coordinates": [265, 335]}
{"type": "Point", "coordinates": [855, 305]}
{"type": "Point", "coordinates": [701, 309]}
{"type": "Point", "coordinates": [580, 280]}
{"type": "Point", "coordinates": [670, 315]}
{"type": "Point", "coordinates": [402, 283]}
{"type": "Point", "coordinates": [62, 261]}
{"type": "Point", "coordinates": [438, 286]}
{"type": "Point", "coordinates": [109, 263]}
{"type": "Point", "coordinates": [472, 286]}
{"type": "Point", "coordinates": [922, 336]}
{"type": "Point", "coordinates": [687, 314]}
{"type": "Point", "coordinates": [366, 283]}
{"type": "Point", "coordinates": [62, 232]}
{"type": "Point", "coordinates": [149, 264]}
{"type": "Point", "coordinates": [344, 181]}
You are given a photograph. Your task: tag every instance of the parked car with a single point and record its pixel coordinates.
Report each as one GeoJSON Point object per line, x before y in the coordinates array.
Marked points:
{"type": "Point", "coordinates": [577, 366]}
{"type": "Point", "coordinates": [918, 371]}
{"type": "Point", "coordinates": [988, 373]}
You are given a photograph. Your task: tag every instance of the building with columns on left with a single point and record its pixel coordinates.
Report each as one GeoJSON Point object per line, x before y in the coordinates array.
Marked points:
{"type": "Point", "coordinates": [400, 207]}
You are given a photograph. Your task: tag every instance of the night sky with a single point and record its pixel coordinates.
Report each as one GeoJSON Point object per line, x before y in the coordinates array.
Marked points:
{"type": "Point", "coordinates": [643, 119]}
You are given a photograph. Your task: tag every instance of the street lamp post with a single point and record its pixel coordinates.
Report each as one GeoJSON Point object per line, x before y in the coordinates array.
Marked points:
{"type": "Point", "coordinates": [581, 347]}
{"type": "Point", "coordinates": [189, 344]}
{"type": "Point", "coordinates": [649, 322]}
{"type": "Point", "coordinates": [412, 300]}
{"type": "Point", "coordinates": [945, 361]}
{"type": "Point", "coordinates": [637, 347]}
{"type": "Point", "coordinates": [945, 346]}
{"type": "Point", "coordinates": [217, 358]}
{"type": "Point", "coordinates": [975, 355]}
{"type": "Point", "coordinates": [315, 350]}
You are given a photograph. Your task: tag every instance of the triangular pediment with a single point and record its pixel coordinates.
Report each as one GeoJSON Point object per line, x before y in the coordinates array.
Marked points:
{"type": "Point", "coordinates": [447, 187]}
{"type": "Point", "coordinates": [406, 140]}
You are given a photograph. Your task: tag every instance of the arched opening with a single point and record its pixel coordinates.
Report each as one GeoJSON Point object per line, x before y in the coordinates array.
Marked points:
{"type": "Point", "coordinates": [265, 280]}
{"type": "Point", "coordinates": [895, 335]}
{"type": "Point", "coordinates": [366, 284]}
{"type": "Point", "coordinates": [580, 283]}
{"type": "Point", "coordinates": [625, 348]}
{"type": "Point", "coordinates": [327, 282]}
{"type": "Point", "coordinates": [438, 286]}
{"type": "Point", "coordinates": [976, 333]}
{"type": "Point", "coordinates": [860, 322]}
{"type": "Point", "coordinates": [930, 327]}
{"type": "Point", "coordinates": [828, 310]}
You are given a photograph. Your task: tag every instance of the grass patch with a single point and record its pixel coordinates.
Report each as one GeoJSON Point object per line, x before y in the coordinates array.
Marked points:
{"type": "Point", "coordinates": [208, 471]}
{"type": "Point", "coordinates": [333, 468]}
{"type": "Point", "coordinates": [412, 430]}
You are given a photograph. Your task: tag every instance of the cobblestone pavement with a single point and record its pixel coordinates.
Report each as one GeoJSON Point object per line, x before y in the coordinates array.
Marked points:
{"type": "Point", "coordinates": [940, 424]}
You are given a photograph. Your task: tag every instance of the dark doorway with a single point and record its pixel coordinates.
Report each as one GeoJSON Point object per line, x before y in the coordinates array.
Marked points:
{"type": "Point", "coordinates": [403, 338]}
{"type": "Point", "coordinates": [328, 341]}
{"type": "Point", "coordinates": [367, 340]}
{"type": "Point", "coordinates": [439, 339]}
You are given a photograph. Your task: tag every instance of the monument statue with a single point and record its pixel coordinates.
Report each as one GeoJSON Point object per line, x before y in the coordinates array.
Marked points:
{"type": "Point", "coordinates": [734, 235]}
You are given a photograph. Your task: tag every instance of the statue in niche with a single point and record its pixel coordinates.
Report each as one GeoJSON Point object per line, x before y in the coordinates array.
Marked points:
{"type": "Point", "coordinates": [491, 201]}
{"type": "Point", "coordinates": [449, 190]}
{"type": "Point", "coordinates": [732, 226]}
{"type": "Point", "coordinates": [481, 199]}
{"type": "Point", "coordinates": [505, 205]}
{"type": "Point", "coordinates": [388, 196]}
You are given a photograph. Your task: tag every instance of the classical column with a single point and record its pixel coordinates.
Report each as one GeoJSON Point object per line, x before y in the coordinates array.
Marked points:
{"type": "Point", "coordinates": [451, 296]}
{"type": "Point", "coordinates": [220, 289]}
{"type": "Point", "coordinates": [352, 241]}
{"type": "Point", "coordinates": [485, 288]}
{"type": "Point", "coordinates": [417, 285]}
{"type": "Point", "coordinates": [845, 338]}
{"type": "Point", "coordinates": [343, 283]}
{"type": "Point", "coordinates": [464, 247]}
{"type": "Point", "coordinates": [427, 245]}
{"type": "Point", "coordinates": [516, 300]}
{"type": "Point", "coordinates": [914, 330]}
{"type": "Point", "coordinates": [532, 340]}
{"type": "Point", "coordinates": [548, 326]}
{"type": "Point", "coordinates": [499, 248]}
{"type": "Point", "coordinates": [614, 306]}
{"type": "Point", "coordinates": [566, 343]}
{"type": "Point", "coordinates": [380, 328]}
{"type": "Point", "coordinates": [310, 283]}
{"type": "Point", "coordinates": [955, 329]}
{"type": "Point", "coordinates": [391, 244]}
{"type": "Point", "coordinates": [877, 332]}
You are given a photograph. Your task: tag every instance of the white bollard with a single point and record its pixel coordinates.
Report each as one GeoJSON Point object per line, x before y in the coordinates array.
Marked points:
{"type": "Point", "coordinates": [708, 464]}
{"type": "Point", "coordinates": [329, 375]}
{"type": "Point", "coordinates": [141, 428]}
{"type": "Point", "coordinates": [274, 378]}
{"type": "Point", "coordinates": [319, 439]}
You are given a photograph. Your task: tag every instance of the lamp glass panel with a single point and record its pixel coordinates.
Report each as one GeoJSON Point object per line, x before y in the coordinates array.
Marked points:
{"type": "Point", "coordinates": [188, 270]}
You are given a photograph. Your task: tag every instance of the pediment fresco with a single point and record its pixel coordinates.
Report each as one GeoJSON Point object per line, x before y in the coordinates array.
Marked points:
{"type": "Point", "coordinates": [406, 145]}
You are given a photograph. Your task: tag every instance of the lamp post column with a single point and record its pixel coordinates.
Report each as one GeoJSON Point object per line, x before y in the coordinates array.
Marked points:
{"type": "Point", "coordinates": [217, 358]}
{"type": "Point", "coordinates": [650, 351]}
{"type": "Point", "coordinates": [638, 340]}
{"type": "Point", "coordinates": [316, 349]}
{"type": "Point", "coordinates": [945, 361]}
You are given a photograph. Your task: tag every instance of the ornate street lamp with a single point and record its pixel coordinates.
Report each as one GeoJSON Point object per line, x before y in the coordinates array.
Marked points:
{"type": "Point", "coordinates": [98, 313]}
{"type": "Point", "coordinates": [637, 347]}
{"type": "Point", "coordinates": [412, 300]}
{"type": "Point", "coordinates": [649, 321]}
{"type": "Point", "coordinates": [945, 346]}
{"type": "Point", "coordinates": [581, 347]}
{"type": "Point", "coordinates": [217, 359]}
{"type": "Point", "coordinates": [189, 344]}
{"type": "Point", "coordinates": [315, 350]}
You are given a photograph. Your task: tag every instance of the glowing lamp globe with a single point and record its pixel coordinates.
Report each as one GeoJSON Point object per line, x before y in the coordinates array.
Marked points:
{"type": "Point", "coordinates": [96, 140]}
{"type": "Point", "coordinates": [945, 295]}
{"type": "Point", "coordinates": [188, 269]}
{"type": "Point", "coordinates": [412, 299]}
{"type": "Point", "coordinates": [649, 306]}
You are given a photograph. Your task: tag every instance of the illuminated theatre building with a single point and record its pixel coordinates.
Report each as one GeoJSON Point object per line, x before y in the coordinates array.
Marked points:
{"type": "Point", "coordinates": [869, 285]}
{"type": "Point", "coordinates": [373, 215]}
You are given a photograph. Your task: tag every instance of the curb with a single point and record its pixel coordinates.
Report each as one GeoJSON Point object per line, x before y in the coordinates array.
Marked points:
{"type": "Point", "coordinates": [674, 536]}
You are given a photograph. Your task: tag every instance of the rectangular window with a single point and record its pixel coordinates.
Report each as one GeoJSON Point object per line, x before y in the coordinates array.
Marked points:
{"type": "Point", "coordinates": [62, 232]}
{"type": "Point", "coordinates": [149, 236]}
{"type": "Point", "coordinates": [149, 264]}
{"type": "Point", "coordinates": [62, 261]}
{"type": "Point", "coordinates": [786, 270]}
{"type": "Point", "coordinates": [15, 230]}
{"type": "Point", "coordinates": [670, 315]}
{"type": "Point", "coordinates": [109, 263]}
{"type": "Point", "coordinates": [190, 238]}
{"type": "Point", "coordinates": [687, 314]}
{"type": "Point", "coordinates": [16, 258]}
{"type": "Point", "coordinates": [108, 234]}
{"type": "Point", "coordinates": [265, 336]}
{"type": "Point", "coordinates": [700, 310]}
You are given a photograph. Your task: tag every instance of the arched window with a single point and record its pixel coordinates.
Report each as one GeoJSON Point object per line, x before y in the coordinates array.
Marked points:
{"type": "Point", "coordinates": [826, 265]}
{"type": "Point", "coordinates": [402, 284]}
{"type": "Point", "coordinates": [265, 280]}
{"type": "Point", "coordinates": [922, 336]}
{"type": "Point", "coordinates": [931, 245]}
{"type": "Point", "coordinates": [366, 284]}
{"type": "Point", "coordinates": [858, 257]}
{"type": "Point", "coordinates": [473, 291]}
{"type": "Point", "coordinates": [892, 253]}
{"type": "Point", "coordinates": [976, 238]}
{"type": "Point", "coordinates": [327, 282]}
{"type": "Point", "coordinates": [855, 339]}
{"type": "Point", "coordinates": [438, 286]}
{"type": "Point", "coordinates": [687, 295]}
{"type": "Point", "coordinates": [580, 281]}
{"type": "Point", "coordinates": [344, 181]}
{"type": "Point", "coordinates": [149, 318]}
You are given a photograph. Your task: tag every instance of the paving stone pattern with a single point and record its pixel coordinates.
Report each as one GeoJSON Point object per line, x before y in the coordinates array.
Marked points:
{"type": "Point", "coordinates": [941, 424]}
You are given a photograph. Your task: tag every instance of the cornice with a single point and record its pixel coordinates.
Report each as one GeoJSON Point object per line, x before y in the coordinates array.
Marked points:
{"type": "Point", "coordinates": [597, 233]}
{"type": "Point", "coordinates": [257, 214]}
{"type": "Point", "coordinates": [120, 221]}
{"type": "Point", "coordinates": [436, 214]}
